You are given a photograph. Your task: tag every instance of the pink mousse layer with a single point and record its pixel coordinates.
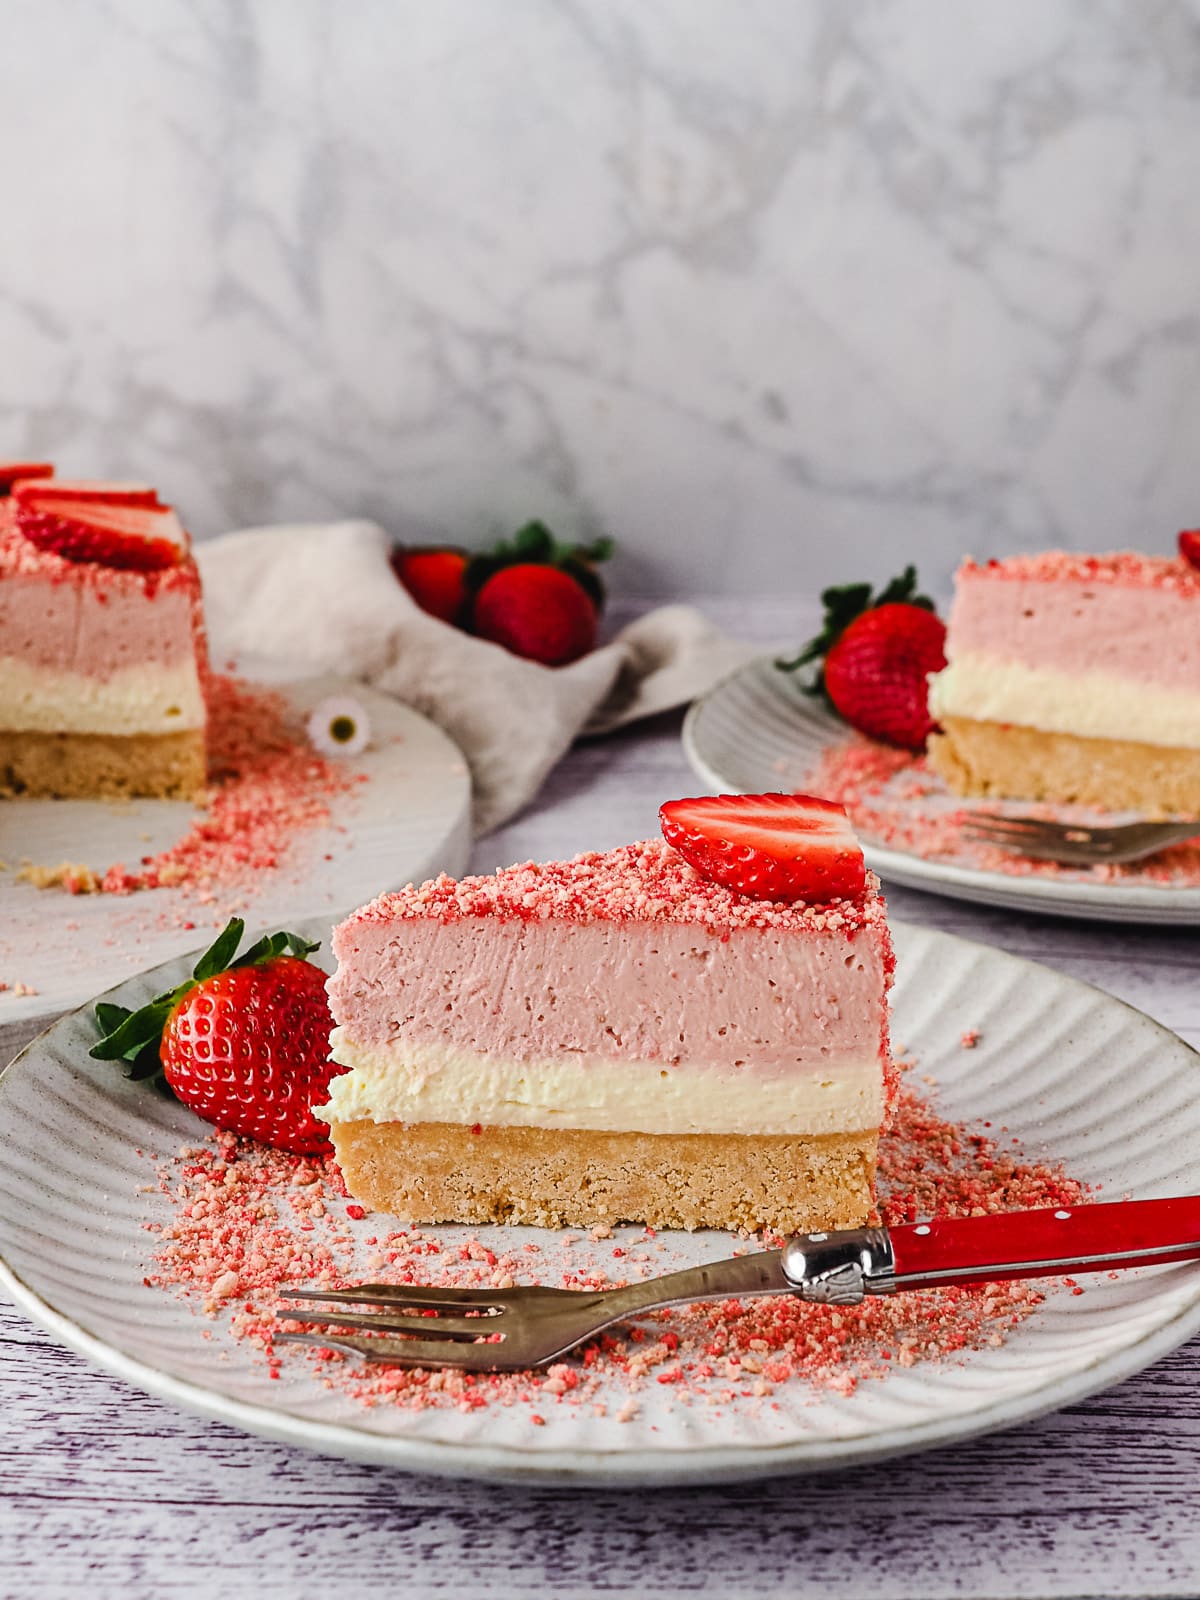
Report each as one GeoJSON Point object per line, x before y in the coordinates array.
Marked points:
{"type": "Point", "coordinates": [74, 616]}
{"type": "Point", "coordinates": [1136, 616]}
{"type": "Point", "coordinates": [628, 955]}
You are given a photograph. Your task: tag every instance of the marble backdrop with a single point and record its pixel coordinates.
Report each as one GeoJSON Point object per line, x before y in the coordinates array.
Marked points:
{"type": "Point", "coordinates": [776, 291]}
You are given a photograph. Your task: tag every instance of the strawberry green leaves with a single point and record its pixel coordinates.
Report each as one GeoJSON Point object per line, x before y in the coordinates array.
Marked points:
{"type": "Point", "coordinates": [133, 1036]}
{"type": "Point", "coordinates": [842, 605]}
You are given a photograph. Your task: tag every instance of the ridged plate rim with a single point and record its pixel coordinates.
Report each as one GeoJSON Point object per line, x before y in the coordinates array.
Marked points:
{"type": "Point", "coordinates": [1159, 905]}
{"type": "Point", "coordinates": [1177, 1319]}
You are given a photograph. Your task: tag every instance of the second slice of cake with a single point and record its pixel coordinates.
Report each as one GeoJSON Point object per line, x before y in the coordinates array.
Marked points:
{"type": "Point", "coordinates": [1073, 678]}
{"type": "Point", "coordinates": [612, 1038]}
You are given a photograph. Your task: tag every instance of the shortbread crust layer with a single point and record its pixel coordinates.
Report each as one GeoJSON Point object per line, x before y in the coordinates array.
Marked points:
{"type": "Point", "coordinates": [552, 1177]}
{"type": "Point", "coordinates": [1007, 761]}
{"type": "Point", "coordinates": [75, 766]}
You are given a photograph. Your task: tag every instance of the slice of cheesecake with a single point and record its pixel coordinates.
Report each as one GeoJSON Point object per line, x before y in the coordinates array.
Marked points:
{"type": "Point", "coordinates": [616, 1037]}
{"type": "Point", "coordinates": [102, 653]}
{"type": "Point", "coordinates": [1073, 678]}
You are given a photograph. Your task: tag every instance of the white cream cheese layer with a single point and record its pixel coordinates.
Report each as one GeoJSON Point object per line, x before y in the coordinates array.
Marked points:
{"type": "Point", "coordinates": [139, 699]}
{"type": "Point", "coordinates": [1093, 705]}
{"type": "Point", "coordinates": [404, 1082]}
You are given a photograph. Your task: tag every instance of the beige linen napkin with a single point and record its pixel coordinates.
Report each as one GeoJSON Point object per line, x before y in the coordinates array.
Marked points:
{"type": "Point", "coordinates": [322, 597]}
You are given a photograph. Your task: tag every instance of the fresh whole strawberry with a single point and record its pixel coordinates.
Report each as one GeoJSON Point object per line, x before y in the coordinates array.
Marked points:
{"type": "Point", "coordinates": [537, 612]}
{"type": "Point", "coordinates": [436, 580]}
{"type": "Point", "coordinates": [878, 654]}
{"type": "Point", "coordinates": [538, 598]}
{"type": "Point", "coordinates": [769, 846]}
{"type": "Point", "coordinates": [93, 528]}
{"type": "Point", "coordinates": [1189, 546]}
{"type": "Point", "coordinates": [244, 1042]}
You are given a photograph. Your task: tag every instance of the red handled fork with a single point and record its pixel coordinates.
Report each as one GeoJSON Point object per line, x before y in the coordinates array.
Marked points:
{"type": "Point", "coordinates": [490, 1330]}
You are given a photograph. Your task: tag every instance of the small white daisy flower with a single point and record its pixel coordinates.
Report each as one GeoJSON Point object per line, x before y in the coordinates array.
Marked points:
{"type": "Point", "coordinates": [339, 726]}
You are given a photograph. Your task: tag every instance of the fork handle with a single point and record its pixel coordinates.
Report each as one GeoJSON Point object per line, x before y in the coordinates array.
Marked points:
{"type": "Point", "coordinates": [1046, 1242]}
{"type": "Point", "coordinates": [840, 1268]}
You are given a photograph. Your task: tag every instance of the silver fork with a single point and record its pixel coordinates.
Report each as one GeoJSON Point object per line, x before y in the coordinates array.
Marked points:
{"type": "Point", "coordinates": [488, 1330]}
{"type": "Point", "coordinates": [1077, 844]}
{"type": "Point", "coordinates": [511, 1329]}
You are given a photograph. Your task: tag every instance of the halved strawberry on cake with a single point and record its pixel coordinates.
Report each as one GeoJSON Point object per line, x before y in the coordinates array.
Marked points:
{"type": "Point", "coordinates": [688, 1032]}
{"type": "Point", "coordinates": [102, 652]}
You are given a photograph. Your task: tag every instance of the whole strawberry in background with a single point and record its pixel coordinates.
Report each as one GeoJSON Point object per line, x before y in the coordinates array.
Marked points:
{"type": "Point", "coordinates": [435, 577]}
{"type": "Point", "coordinates": [538, 598]}
{"type": "Point", "coordinates": [1189, 547]}
{"type": "Point", "coordinates": [244, 1041]}
{"type": "Point", "coordinates": [877, 652]}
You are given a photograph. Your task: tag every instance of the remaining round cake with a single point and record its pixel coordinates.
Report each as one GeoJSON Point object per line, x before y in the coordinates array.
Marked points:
{"type": "Point", "coordinates": [611, 1038]}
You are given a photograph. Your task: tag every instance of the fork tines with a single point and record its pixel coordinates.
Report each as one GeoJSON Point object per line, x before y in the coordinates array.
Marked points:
{"type": "Point", "coordinates": [430, 1337]}
{"type": "Point", "coordinates": [422, 1295]}
{"type": "Point", "coordinates": [991, 822]}
{"type": "Point", "coordinates": [1075, 843]}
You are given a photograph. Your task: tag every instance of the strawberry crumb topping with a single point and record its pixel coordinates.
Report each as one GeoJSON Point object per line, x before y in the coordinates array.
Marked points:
{"type": "Point", "coordinates": [1126, 567]}
{"type": "Point", "coordinates": [19, 557]}
{"type": "Point", "coordinates": [247, 1222]}
{"type": "Point", "coordinates": [646, 882]}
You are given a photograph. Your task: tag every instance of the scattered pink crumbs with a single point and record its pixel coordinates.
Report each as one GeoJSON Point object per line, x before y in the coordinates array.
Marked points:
{"type": "Point", "coordinates": [249, 1222]}
{"type": "Point", "coordinates": [894, 799]}
{"type": "Point", "coordinates": [266, 786]}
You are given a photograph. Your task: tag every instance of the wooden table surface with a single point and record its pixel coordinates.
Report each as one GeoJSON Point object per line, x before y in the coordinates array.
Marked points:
{"type": "Point", "coordinates": [104, 1491]}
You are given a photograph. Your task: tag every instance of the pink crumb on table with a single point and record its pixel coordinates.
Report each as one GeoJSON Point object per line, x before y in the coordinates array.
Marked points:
{"type": "Point", "coordinates": [247, 1222]}
{"type": "Point", "coordinates": [969, 1038]}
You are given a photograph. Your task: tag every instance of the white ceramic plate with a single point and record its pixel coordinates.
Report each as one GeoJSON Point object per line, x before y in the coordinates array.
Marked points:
{"type": "Point", "coordinates": [759, 731]}
{"type": "Point", "coordinates": [409, 820]}
{"type": "Point", "coordinates": [1077, 1075]}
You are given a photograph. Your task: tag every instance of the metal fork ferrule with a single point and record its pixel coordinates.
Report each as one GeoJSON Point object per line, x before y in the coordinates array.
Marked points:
{"type": "Point", "coordinates": [839, 1269]}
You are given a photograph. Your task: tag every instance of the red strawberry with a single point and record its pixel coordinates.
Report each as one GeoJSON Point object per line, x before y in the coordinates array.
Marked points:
{"type": "Point", "coordinates": [12, 472]}
{"type": "Point", "coordinates": [541, 613]}
{"type": "Point", "coordinates": [879, 651]}
{"type": "Point", "coordinates": [877, 674]}
{"type": "Point", "coordinates": [435, 579]}
{"type": "Point", "coordinates": [142, 537]}
{"type": "Point", "coordinates": [244, 1043]}
{"type": "Point", "coordinates": [1189, 546]}
{"type": "Point", "coordinates": [538, 598]}
{"type": "Point", "coordinates": [769, 846]}
{"type": "Point", "coordinates": [40, 491]}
